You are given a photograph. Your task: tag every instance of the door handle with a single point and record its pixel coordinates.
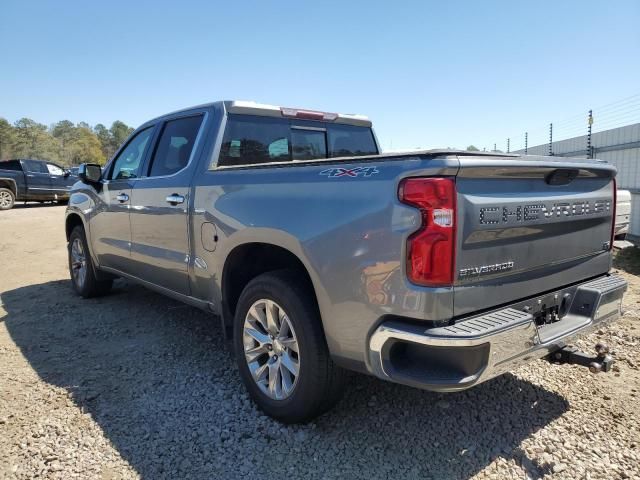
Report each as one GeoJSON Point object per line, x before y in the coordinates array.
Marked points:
{"type": "Point", "coordinates": [122, 197]}
{"type": "Point", "coordinates": [175, 199]}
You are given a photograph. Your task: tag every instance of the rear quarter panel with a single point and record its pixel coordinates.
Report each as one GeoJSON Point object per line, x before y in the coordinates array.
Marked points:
{"type": "Point", "coordinates": [349, 232]}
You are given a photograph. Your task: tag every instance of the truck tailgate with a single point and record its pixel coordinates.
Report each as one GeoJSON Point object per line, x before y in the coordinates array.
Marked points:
{"type": "Point", "coordinates": [529, 226]}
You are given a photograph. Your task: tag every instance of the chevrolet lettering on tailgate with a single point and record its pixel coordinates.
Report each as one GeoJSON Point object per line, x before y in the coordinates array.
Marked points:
{"type": "Point", "coordinates": [494, 215]}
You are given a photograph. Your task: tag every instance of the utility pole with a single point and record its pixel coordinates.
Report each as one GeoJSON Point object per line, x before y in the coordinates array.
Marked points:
{"type": "Point", "coordinates": [589, 151]}
{"type": "Point", "coordinates": [494, 147]}
{"type": "Point", "coordinates": [551, 139]}
{"type": "Point", "coordinates": [526, 142]}
{"type": "Point", "coordinates": [508, 145]}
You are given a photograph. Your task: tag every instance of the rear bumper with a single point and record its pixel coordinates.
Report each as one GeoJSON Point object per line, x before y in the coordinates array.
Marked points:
{"type": "Point", "coordinates": [481, 347]}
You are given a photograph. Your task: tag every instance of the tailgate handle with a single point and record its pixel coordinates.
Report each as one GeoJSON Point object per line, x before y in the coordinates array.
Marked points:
{"type": "Point", "coordinates": [561, 176]}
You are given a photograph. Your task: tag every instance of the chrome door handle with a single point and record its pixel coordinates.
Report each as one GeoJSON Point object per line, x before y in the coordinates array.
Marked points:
{"type": "Point", "coordinates": [175, 199]}
{"type": "Point", "coordinates": [123, 197]}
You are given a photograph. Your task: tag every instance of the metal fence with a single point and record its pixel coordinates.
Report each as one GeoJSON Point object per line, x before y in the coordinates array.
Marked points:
{"type": "Point", "coordinates": [619, 146]}
{"type": "Point", "coordinates": [609, 132]}
{"type": "Point", "coordinates": [580, 129]}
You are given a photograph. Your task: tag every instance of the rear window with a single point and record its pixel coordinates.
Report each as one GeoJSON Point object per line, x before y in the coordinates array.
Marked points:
{"type": "Point", "coordinates": [250, 140]}
{"type": "Point", "coordinates": [308, 144]}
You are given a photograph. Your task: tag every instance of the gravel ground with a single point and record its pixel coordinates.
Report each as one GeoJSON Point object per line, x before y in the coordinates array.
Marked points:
{"type": "Point", "coordinates": [134, 385]}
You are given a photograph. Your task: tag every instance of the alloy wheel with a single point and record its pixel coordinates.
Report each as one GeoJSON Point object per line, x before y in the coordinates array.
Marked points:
{"type": "Point", "coordinates": [78, 262]}
{"type": "Point", "coordinates": [271, 349]}
{"type": "Point", "coordinates": [5, 199]}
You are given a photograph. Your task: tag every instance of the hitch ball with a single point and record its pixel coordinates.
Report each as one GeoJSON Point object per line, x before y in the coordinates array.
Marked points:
{"type": "Point", "coordinates": [595, 367]}
{"type": "Point", "coordinates": [602, 349]}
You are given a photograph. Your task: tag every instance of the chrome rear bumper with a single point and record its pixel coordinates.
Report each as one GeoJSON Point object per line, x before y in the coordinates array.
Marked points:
{"type": "Point", "coordinates": [476, 349]}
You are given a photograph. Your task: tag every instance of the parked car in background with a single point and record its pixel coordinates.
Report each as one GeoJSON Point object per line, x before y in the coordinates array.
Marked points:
{"type": "Point", "coordinates": [438, 269]}
{"type": "Point", "coordinates": [33, 180]}
{"type": "Point", "coordinates": [623, 212]}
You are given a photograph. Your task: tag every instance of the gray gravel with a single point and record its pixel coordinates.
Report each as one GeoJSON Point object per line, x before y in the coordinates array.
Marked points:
{"type": "Point", "coordinates": [135, 385]}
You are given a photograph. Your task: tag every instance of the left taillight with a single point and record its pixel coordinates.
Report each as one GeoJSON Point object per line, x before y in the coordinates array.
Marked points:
{"type": "Point", "coordinates": [431, 250]}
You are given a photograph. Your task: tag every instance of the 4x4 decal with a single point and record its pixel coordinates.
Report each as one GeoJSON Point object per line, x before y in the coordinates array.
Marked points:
{"type": "Point", "coordinates": [350, 172]}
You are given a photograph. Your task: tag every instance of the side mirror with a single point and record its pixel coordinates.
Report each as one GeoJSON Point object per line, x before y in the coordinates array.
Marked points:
{"type": "Point", "coordinates": [89, 173]}
{"type": "Point", "coordinates": [66, 174]}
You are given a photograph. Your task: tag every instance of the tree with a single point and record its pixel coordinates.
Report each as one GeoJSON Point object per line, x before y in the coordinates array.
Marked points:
{"type": "Point", "coordinates": [64, 142]}
{"type": "Point", "coordinates": [85, 147]}
{"type": "Point", "coordinates": [7, 139]}
{"type": "Point", "coordinates": [104, 136]}
{"type": "Point", "coordinates": [119, 133]}
{"type": "Point", "coordinates": [32, 140]}
{"type": "Point", "coordinates": [64, 131]}
{"type": "Point", "coordinates": [472, 148]}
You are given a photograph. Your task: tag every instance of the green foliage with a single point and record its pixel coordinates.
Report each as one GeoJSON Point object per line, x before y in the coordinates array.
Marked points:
{"type": "Point", "coordinates": [33, 140]}
{"type": "Point", "coordinates": [472, 148]}
{"type": "Point", "coordinates": [7, 138]}
{"type": "Point", "coordinates": [64, 142]}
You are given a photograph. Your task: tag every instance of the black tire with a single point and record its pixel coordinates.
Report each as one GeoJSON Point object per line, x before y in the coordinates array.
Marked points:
{"type": "Point", "coordinates": [7, 200]}
{"type": "Point", "coordinates": [320, 382]}
{"type": "Point", "coordinates": [94, 284]}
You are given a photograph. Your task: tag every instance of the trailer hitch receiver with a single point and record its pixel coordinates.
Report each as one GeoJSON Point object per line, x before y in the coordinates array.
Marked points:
{"type": "Point", "coordinates": [602, 362]}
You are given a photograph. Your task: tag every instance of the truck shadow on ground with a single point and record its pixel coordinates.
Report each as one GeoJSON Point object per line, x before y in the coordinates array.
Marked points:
{"type": "Point", "coordinates": [628, 260]}
{"type": "Point", "coordinates": [159, 380]}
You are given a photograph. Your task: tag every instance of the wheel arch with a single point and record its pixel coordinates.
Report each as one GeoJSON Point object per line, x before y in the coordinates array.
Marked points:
{"type": "Point", "coordinates": [248, 260]}
{"type": "Point", "coordinates": [72, 221]}
{"type": "Point", "coordinates": [10, 184]}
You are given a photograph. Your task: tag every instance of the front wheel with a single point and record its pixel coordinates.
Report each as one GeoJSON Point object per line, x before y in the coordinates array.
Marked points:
{"type": "Point", "coordinates": [7, 199]}
{"type": "Point", "coordinates": [83, 273]}
{"type": "Point", "coordinates": [281, 350]}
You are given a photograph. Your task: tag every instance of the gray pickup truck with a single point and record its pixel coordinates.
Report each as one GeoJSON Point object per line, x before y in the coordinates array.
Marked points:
{"type": "Point", "coordinates": [438, 269]}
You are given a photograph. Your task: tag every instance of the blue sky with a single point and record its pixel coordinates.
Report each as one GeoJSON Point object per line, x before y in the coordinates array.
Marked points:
{"type": "Point", "coordinates": [427, 73]}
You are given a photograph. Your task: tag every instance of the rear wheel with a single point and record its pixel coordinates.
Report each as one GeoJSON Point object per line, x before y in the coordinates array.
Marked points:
{"type": "Point", "coordinates": [84, 279]}
{"type": "Point", "coordinates": [7, 199]}
{"type": "Point", "coordinates": [281, 350]}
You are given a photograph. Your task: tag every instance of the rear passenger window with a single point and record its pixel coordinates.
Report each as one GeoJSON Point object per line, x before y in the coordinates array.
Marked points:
{"type": "Point", "coordinates": [175, 146]}
{"type": "Point", "coordinates": [35, 166]}
{"type": "Point", "coordinates": [254, 140]}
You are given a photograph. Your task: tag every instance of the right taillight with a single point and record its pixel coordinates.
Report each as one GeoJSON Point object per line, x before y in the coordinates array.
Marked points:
{"type": "Point", "coordinates": [614, 209]}
{"type": "Point", "coordinates": [431, 250]}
